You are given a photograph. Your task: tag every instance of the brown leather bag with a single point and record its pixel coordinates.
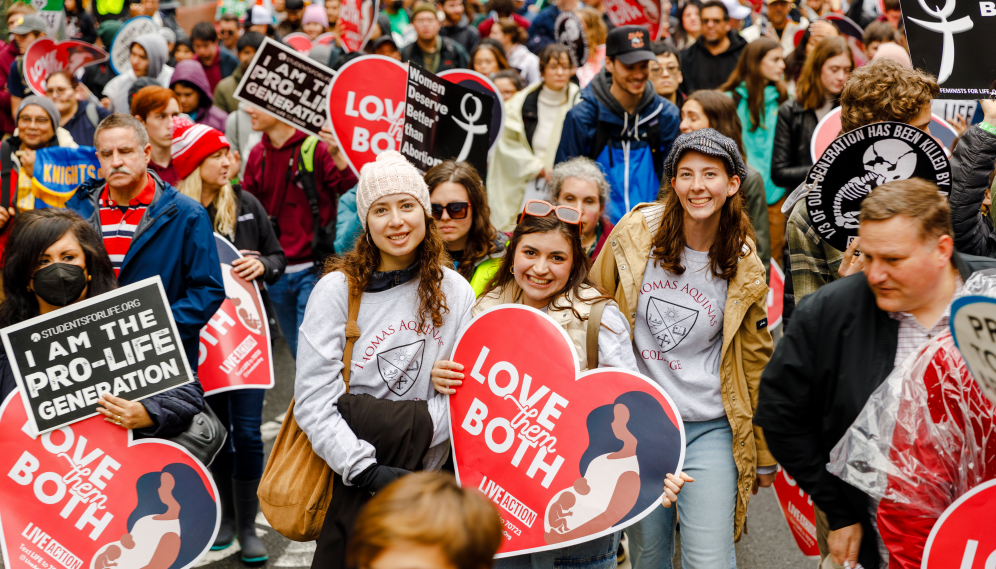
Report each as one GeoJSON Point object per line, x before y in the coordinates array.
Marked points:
{"type": "Point", "coordinates": [296, 487]}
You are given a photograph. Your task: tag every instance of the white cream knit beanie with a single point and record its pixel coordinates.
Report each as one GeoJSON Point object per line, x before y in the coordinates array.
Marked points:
{"type": "Point", "coordinates": [389, 174]}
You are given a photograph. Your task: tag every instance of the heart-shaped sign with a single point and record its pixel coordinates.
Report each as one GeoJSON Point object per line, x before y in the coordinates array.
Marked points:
{"type": "Point", "coordinates": [87, 496]}
{"type": "Point", "coordinates": [480, 83]}
{"type": "Point", "coordinates": [46, 56]}
{"type": "Point", "coordinates": [357, 18]}
{"type": "Point", "coordinates": [299, 42]}
{"type": "Point", "coordinates": [366, 106]}
{"type": "Point", "coordinates": [566, 456]}
{"type": "Point", "coordinates": [121, 46]}
{"type": "Point", "coordinates": [797, 507]}
{"type": "Point", "coordinates": [973, 328]}
{"type": "Point", "coordinates": [959, 537]}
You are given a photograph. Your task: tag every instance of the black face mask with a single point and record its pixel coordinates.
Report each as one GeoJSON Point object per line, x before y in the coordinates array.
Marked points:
{"type": "Point", "coordinates": [59, 284]}
{"type": "Point", "coordinates": [397, 4]}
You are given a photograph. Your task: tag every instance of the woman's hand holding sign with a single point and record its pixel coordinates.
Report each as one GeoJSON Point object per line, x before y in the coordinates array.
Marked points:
{"type": "Point", "coordinates": [124, 413]}
{"type": "Point", "coordinates": [444, 378]}
{"type": "Point", "coordinates": [672, 487]}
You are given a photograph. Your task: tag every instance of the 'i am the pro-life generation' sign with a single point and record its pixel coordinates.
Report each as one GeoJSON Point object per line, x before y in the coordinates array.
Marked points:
{"type": "Point", "coordinates": [122, 342]}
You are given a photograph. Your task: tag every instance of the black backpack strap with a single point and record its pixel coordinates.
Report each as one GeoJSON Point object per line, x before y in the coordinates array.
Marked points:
{"type": "Point", "coordinates": [654, 142]}
{"type": "Point", "coordinates": [6, 165]}
{"type": "Point", "coordinates": [310, 186]}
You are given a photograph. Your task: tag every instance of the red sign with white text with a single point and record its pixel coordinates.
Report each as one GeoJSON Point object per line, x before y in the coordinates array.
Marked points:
{"type": "Point", "coordinates": [89, 496]}
{"type": "Point", "coordinates": [235, 344]}
{"type": "Point", "coordinates": [357, 18]}
{"type": "Point", "coordinates": [799, 512]}
{"type": "Point", "coordinates": [964, 535]}
{"type": "Point", "coordinates": [366, 106]}
{"type": "Point", "coordinates": [566, 456]}
{"type": "Point", "coordinates": [46, 56]}
{"type": "Point", "coordinates": [646, 13]}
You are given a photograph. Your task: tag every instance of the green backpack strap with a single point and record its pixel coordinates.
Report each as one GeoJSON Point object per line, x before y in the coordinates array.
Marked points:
{"type": "Point", "coordinates": [308, 153]}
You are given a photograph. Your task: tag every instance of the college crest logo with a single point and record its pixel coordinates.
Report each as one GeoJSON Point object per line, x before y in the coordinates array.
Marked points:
{"type": "Point", "coordinates": [399, 367]}
{"type": "Point", "coordinates": [669, 323]}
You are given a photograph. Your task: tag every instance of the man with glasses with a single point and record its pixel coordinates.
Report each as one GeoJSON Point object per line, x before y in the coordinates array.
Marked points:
{"type": "Point", "coordinates": [228, 31]}
{"type": "Point", "coordinates": [430, 50]}
{"type": "Point", "coordinates": [622, 124]}
{"type": "Point", "coordinates": [709, 61]}
{"type": "Point", "coordinates": [665, 72]}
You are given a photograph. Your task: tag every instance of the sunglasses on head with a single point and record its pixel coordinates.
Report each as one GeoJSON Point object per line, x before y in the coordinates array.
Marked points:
{"type": "Point", "coordinates": [540, 208]}
{"type": "Point", "coordinates": [457, 210]}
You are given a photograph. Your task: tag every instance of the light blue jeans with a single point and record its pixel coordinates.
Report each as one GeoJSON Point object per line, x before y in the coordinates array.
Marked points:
{"type": "Point", "coordinates": [596, 554]}
{"type": "Point", "coordinates": [706, 507]}
{"type": "Point", "coordinates": [289, 297]}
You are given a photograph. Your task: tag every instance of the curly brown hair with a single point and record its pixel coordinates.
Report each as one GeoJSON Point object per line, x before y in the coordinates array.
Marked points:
{"type": "Point", "coordinates": [734, 230]}
{"type": "Point", "coordinates": [480, 240]}
{"type": "Point", "coordinates": [884, 90]}
{"type": "Point", "coordinates": [359, 265]}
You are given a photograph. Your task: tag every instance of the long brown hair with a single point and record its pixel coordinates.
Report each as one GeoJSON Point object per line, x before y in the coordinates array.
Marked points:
{"type": "Point", "coordinates": [748, 71]}
{"type": "Point", "coordinates": [722, 114]}
{"type": "Point", "coordinates": [728, 246]}
{"type": "Point", "coordinates": [810, 91]}
{"type": "Point", "coordinates": [580, 263]}
{"type": "Point", "coordinates": [480, 240]}
{"type": "Point", "coordinates": [359, 265]}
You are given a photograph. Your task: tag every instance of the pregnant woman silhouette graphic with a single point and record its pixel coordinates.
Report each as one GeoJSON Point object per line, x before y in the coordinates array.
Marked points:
{"type": "Point", "coordinates": [623, 468]}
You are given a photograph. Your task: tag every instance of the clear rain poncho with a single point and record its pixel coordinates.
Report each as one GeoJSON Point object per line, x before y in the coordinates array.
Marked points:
{"type": "Point", "coordinates": [925, 437]}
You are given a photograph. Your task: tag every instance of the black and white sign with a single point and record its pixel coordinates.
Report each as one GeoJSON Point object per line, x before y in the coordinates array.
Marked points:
{"type": "Point", "coordinates": [860, 161]}
{"type": "Point", "coordinates": [286, 85]}
{"type": "Point", "coordinates": [946, 40]}
{"type": "Point", "coordinates": [569, 30]}
{"type": "Point", "coordinates": [123, 342]}
{"type": "Point", "coordinates": [445, 121]}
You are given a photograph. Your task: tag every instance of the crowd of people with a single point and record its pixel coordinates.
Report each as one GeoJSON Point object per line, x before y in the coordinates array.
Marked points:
{"type": "Point", "coordinates": [667, 162]}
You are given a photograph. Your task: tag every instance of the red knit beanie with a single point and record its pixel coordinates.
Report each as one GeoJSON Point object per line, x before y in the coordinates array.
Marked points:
{"type": "Point", "coordinates": [192, 143]}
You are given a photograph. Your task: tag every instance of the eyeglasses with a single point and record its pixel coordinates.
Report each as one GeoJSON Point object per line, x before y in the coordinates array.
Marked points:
{"type": "Point", "coordinates": [38, 121]}
{"type": "Point", "coordinates": [540, 208]}
{"type": "Point", "coordinates": [225, 32]}
{"type": "Point", "coordinates": [716, 21]}
{"type": "Point", "coordinates": [457, 210]}
{"type": "Point", "coordinates": [657, 70]}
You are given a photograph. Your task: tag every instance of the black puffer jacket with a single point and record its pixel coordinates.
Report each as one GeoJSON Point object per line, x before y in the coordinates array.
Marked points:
{"type": "Point", "coordinates": [971, 162]}
{"type": "Point", "coordinates": [791, 158]}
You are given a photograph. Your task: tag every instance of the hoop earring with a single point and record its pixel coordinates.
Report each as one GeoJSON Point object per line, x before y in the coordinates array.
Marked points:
{"type": "Point", "coordinates": [512, 269]}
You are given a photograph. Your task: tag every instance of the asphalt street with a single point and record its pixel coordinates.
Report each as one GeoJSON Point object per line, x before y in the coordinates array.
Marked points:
{"type": "Point", "coordinates": [767, 543]}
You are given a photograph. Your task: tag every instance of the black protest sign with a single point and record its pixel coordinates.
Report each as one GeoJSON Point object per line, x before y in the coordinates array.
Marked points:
{"type": "Point", "coordinates": [445, 121]}
{"type": "Point", "coordinates": [857, 162]}
{"type": "Point", "coordinates": [286, 85]}
{"type": "Point", "coordinates": [947, 41]}
{"type": "Point", "coordinates": [569, 30]}
{"type": "Point", "coordinates": [122, 342]}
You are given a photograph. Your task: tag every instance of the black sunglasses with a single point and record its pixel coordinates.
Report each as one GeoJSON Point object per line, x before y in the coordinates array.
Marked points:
{"type": "Point", "coordinates": [457, 210]}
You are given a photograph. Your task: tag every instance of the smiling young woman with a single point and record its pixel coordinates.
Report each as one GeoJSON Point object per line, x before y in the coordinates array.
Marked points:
{"type": "Point", "coordinates": [411, 308]}
{"type": "Point", "coordinates": [703, 283]}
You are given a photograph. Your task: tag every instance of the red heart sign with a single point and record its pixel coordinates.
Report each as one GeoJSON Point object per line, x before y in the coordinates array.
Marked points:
{"type": "Point", "coordinates": [89, 497]}
{"type": "Point", "coordinates": [300, 42]}
{"type": "Point", "coordinates": [366, 105]}
{"type": "Point", "coordinates": [46, 56]}
{"type": "Point", "coordinates": [567, 456]}
{"type": "Point", "coordinates": [797, 507]}
{"type": "Point", "coordinates": [959, 537]}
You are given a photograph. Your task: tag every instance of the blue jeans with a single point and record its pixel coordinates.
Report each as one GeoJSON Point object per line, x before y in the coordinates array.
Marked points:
{"type": "Point", "coordinates": [706, 507]}
{"type": "Point", "coordinates": [289, 297]}
{"type": "Point", "coordinates": [596, 554]}
{"type": "Point", "coordinates": [241, 411]}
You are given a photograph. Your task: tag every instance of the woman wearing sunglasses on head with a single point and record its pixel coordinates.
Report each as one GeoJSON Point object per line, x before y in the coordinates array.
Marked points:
{"type": "Point", "coordinates": [697, 308]}
{"type": "Point", "coordinates": [460, 208]}
{"type": "Point", "coordinates": [546, 268]}
{"type": "Point", "coordinates": [368, 407]}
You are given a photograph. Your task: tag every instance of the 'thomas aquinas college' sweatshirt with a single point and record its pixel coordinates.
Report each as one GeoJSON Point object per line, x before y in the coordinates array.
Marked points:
{"type": "Point", "coordinates": [392, 359]}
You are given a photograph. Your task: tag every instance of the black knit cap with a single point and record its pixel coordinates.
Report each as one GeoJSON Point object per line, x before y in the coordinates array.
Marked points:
{"type": "Point", "coordinates": [706, 141]}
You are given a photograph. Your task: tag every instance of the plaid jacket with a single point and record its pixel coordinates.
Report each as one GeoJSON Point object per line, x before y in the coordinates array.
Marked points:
{"type": "Point", "coordinates": [814, 263]}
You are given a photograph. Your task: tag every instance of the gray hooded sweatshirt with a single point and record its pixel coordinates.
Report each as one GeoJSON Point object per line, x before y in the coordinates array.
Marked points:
{"type": "Point", "coordinates": [158, 52]}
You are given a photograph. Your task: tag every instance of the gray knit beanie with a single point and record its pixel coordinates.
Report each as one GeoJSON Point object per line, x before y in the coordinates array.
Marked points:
{"type": "Point", "coordinates": [389, 174]}
{"type": "Point", "coordinates": [709, 142]}
{"type": "Point", "coordinates": [44, 103]}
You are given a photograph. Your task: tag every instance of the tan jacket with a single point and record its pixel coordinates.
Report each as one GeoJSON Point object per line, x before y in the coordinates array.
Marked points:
{"type": "Point", "coordinates": [746, 342]}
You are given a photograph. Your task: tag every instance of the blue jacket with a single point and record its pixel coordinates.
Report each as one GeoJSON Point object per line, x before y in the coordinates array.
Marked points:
{"type": "Point", "coordinates": [541, 31]}
{"type": "Point", "coordinates": [624, 145]}
{"type": "Point", "coordinates": [175, 241]}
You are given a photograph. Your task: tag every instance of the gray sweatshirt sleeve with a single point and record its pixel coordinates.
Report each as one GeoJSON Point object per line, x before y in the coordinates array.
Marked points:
{"type": "Point", "coordinates": [319, 384]}
{"type": "Point", "coordinates": [460, 300]}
